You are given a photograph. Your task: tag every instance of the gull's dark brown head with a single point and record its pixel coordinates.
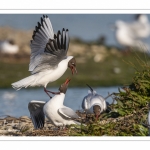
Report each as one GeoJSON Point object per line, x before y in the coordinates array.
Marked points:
{"type": "Point", "coordinates": [64, 86]}
{"type": "Point", "coordinates": [96, 111]}
{"type": "Point", "coordinates": [72, 65]}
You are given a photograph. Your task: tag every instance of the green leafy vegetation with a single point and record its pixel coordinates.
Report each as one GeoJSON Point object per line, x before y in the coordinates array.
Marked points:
{"type": "Point", "coordinates": [129, 116]}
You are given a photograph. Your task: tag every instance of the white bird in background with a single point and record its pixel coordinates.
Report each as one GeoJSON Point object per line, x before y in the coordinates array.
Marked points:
{"type": "Point", "coordinates": [131, 34]}
{"type": "Point", "coordinates": [49, 60]}
{"type": "Point", "coordinates": [8, 47]}
{"type": "Point", "coordinates": [54, 110]}
{"type": "Point", "coordinates": [94, 103]}
{"type": "Point", "coordinates": [141, 26]}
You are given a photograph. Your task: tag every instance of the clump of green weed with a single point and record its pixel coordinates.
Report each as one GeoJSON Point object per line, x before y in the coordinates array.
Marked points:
{"type": "Point", "coordinates": [127, 116]}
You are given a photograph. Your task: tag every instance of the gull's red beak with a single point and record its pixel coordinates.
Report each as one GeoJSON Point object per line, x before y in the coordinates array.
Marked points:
{"type": "Point", "coordinates": [67, 81]}
{"type": "Point", "coordinates": [73, 70]}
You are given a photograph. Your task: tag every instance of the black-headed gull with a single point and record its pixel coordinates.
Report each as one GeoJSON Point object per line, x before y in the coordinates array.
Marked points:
{"type": "Point", "coordinates": [54, 110]}
{"type": "Point", "coordinates": [49, 60]}
{"type": "Point", "coordinates": [141, 27]}
{"type": "Point", "coordinates": [94, 103]}
{"type": "Point", "coordinates": [9, 47]}
{"type": "Point", "coordinates": [131, 34]}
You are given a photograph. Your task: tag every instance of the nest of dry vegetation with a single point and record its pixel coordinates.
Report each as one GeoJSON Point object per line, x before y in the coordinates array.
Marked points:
{"type": "Point", "coordinates": [110, 126]}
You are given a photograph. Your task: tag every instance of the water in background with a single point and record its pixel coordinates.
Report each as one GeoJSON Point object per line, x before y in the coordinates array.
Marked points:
{"type": "Point", "coordinates": [15, 103]}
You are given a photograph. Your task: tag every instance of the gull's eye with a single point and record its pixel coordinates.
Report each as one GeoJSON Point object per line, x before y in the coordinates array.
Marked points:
{"type": "Point", "coordinates": [73, 64]}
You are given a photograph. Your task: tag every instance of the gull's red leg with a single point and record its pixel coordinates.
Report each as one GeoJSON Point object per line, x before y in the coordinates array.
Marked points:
{"type": "Point", "coordinates": [97, 116]}
{"type": "Point", "coordinates": [53, 92]}
{"type": "Point", "coordinates": [47, 92]}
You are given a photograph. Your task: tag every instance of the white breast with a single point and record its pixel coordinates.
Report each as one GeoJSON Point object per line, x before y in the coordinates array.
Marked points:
{"type": "Point", "coordinates": [51, 108]}
{"type": "Point", "coordinates": [45, 77]}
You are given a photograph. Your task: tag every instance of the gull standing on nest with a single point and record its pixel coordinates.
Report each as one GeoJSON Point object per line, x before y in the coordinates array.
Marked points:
{"type": "Point", "coordinates": [94, 103]}
{"type": "Point", "coordinates": [54, 110]}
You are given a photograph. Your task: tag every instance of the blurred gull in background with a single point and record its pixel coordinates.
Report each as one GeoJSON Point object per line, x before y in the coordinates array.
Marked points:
{"type": "Point", "coordinates": [9, 96]}
{"type": "Point", "coordinates": [131, 34]}
{"type": "Point", "coordinates": [141, 26]}
{"type": "Point", "coordinates": [8, 47]}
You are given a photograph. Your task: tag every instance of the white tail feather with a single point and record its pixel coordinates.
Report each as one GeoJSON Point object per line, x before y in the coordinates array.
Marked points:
{"type": "Point", "coordinates": [28, 81]}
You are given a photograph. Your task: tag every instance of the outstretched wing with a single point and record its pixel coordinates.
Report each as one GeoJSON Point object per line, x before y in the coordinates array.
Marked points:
{"type": "Point", "coordinates": [47, 49]}
{"type": "Point", "coordinates": [36, 113]}
{"type": "Point", "coordinates": [68, 113]}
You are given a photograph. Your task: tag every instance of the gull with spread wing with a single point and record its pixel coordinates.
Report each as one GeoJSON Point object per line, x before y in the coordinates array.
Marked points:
{"type": "Point", "coordinates": [48, 60]}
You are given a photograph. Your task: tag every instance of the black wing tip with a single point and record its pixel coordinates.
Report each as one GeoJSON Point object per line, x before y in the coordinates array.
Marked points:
{"type": "Point", "coordinates": [36, 28]}
{"type": "Point", "coordinates": [45, 16]}
{"type": "Point", "coordinates": [39, 25]}
{"type": "Point", "coordinates": [50, 40]}
{"type": "Point", "coordinates": [35, 31]}
{"type": "Point", "coordinates": [137, 16]}
{"type": "Point", "coordinates": [64, 29]}
{"type": "Point", "coordinates": [90, 87]}
{"type": "Point", "coordinates": [55, 36]}
{"type": "Point", "coordinates": [59, 32]}
{"type": "Point", "coordinates": [33, 36]}
{"type": "Point", "coordinates": [42, 20]}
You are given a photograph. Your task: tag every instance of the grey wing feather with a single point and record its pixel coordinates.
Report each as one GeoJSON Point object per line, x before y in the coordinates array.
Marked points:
{"type": "Point", "coordinates": [47, 49]}
{"type": "Point", "coordinates": [83, 103]}
{"type": "Point", "coordinates": [36, 113]}
{"type": "Point", "coordinates": [68, 113]}
{"type": "Point", "coordinates": [67, 40]}
{"type": "Point", "coordinates": [86, 103]}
